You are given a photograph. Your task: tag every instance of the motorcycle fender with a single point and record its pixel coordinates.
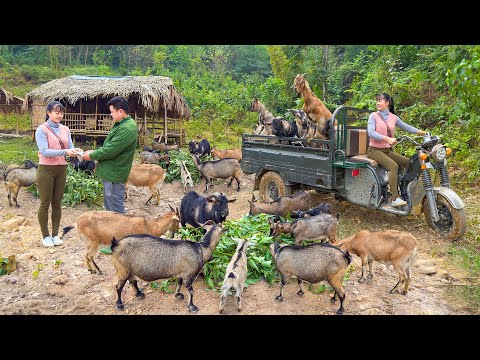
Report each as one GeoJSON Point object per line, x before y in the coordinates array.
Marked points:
{"type": "Point", "coordinates": [450, 195]}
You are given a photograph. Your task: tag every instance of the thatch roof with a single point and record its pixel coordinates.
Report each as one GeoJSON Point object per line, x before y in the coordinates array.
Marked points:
{"type": "Point", "coordinates": [151, 90]}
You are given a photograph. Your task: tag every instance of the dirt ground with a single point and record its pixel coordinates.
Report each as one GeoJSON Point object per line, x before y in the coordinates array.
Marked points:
{"type": "Point", "coordinates": [64, 286]}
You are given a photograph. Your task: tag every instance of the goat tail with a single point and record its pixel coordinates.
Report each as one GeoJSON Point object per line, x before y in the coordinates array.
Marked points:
{"type": "Point", "coordinates": [114, 244]}
{"type": "Point", "coordinates": [348, 257]}
{"type": "Point", "coordinates": [412, 258]}
{"type": "Point", "coordinates": [232, 275]}
{"type": "Point", "coordinates": [66, 230]}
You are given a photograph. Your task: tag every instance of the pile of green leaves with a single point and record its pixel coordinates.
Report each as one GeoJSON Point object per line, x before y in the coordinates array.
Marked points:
{"type": "Point", "coordinates": [260, 264]}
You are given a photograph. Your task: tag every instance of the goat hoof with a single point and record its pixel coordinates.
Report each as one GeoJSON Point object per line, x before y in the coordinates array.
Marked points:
{"type": "Point", "coordinates": [120, 306]}
{"type": "Point", "coordinates": [179, 296]}
{"type": "Point", "coordinates": [300, 293]}
{"type": "Point", "coordinates": [333, 299]}
{"type": "Point", "coordinates": [140, 295]}
{"type": "Point", "coordinates": [340, 311]}
{"type": "Point", "coordinates": [17, 205]}
{"type": "Point", "coordinates": [193, 308]}
{"type": "Point", "coordinates": [361, 280]}
{"type": "Point", "coordinates": [238, 190]}
{"type": "Point", "coordinates": [279, 298]}
{"type": "Point", "coordinates": [220, 311]}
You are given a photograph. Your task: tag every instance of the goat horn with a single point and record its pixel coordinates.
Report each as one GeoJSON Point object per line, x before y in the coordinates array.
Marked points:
{"type": "Point", "coordinates": [304, 74]}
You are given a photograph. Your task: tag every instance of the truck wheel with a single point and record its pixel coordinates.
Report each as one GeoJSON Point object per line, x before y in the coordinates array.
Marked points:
{"type": "Point", "coordinates": [272, 187]}
{"type": "Point", "coordinates": [452, 224]}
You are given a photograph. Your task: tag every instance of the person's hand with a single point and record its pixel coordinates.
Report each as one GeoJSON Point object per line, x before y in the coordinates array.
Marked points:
{"type": "Point", "coordinates": [71, 152]}
{"type": "Point", "coordinates": [86, 155]}
{"type": "Point", "coordinates": [391, 140]}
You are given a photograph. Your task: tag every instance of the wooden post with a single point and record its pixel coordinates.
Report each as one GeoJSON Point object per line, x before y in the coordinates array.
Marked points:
{"type": "Point", "coordinates": [165, 120]}
{"type": "Point", "coordinates": [181, 131]}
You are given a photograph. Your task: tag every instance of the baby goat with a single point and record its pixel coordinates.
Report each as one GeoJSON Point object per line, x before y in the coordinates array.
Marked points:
{"type": "Point", "coordinates": [235, 275]}
{"type": "Point", "coordinates": [186, 177]}
{"type": "Point", "coordinates": [390, 247]}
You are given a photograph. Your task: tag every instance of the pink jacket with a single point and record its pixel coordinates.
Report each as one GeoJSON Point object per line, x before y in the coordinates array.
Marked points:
{"type": "Point", "coordinates": [381, 128]}
{"type": "Point", "coordinates": [53, 143]}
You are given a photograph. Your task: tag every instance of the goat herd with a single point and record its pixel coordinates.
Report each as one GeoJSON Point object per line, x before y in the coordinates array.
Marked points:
{"type": "Point", "coordinates": [139, 249]}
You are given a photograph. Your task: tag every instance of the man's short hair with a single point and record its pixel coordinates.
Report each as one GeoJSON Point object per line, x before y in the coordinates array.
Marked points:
{"type": "Point", "coordinates": [118, 103]}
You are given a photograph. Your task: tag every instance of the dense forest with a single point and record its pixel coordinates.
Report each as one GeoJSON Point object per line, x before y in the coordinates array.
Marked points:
{"type": "Point", "coordinates": [435, 87]}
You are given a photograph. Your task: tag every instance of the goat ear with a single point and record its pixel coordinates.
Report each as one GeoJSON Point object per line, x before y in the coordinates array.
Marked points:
{"type": "Point", "coordinates": [211, 198]}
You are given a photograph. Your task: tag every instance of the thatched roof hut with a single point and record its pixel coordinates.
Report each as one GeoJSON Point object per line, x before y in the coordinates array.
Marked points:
{"type": "Point", "coordinates": [9, 102]}
{"type": "Point", "coordinates": [155, 104]}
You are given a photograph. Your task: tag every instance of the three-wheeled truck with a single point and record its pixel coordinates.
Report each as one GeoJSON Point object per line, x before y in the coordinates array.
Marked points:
{"type": "Point", "coordinates": [340, 166]}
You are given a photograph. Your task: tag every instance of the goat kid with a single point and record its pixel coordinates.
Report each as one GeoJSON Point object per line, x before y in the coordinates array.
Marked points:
{"type": "Point", "coordinates": [186, 177]}
{"type": "Point", "coordinates": [235, 275]}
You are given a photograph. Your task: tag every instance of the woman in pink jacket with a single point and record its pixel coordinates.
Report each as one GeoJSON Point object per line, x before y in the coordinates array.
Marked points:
{"type": "Point", "coordinates": [381, 127]}
{"type": "Point", "coordinates": [54, 142]}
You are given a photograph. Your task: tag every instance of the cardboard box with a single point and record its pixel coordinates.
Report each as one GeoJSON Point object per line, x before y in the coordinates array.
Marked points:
{"type": "Point", "coordinates": [357, 142]}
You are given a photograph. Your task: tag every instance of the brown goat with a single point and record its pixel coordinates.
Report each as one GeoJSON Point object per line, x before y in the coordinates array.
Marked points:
{"type": "Point", "coordinates": [313, 106]}
{"type": "Point", "coordinates": [150, 175]}
{"type": "Point", "coordinates": [283, 205]}
{"type": "Point", "coordinates": [163, 147]}
{"type": "Point", "coordinates": [391, 247]}
{"type": "Point", "coordinates": [227, 153]}
{"type": "Point", "coordinates": [99, 227]}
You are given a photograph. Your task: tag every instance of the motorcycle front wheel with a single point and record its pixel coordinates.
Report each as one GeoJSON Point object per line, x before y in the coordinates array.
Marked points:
{"type": "Point", "coordinates": [452, 223]}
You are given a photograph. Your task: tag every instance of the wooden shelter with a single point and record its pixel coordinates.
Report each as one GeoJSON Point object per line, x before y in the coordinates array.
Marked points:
{"type": "Point", "coordinates": [9, 102]}
{"type": "Point", "coordinates": [157, 107]}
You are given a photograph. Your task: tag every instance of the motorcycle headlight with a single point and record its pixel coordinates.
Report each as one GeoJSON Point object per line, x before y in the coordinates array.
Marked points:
{"type": "Point", "coordinates": [438, 152]}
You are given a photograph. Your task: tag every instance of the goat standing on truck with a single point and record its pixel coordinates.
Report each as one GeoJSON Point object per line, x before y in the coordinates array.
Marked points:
{"type": "Point", "coordinates": [313, 106]}
{"type": "Point", "coordinates": [54, 142]}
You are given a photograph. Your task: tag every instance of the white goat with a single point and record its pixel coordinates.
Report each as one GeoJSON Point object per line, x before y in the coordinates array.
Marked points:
{"type": "Point", "coordinates": [186, 177]}
{"type": "Point", "coordinates": [235, 275]}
